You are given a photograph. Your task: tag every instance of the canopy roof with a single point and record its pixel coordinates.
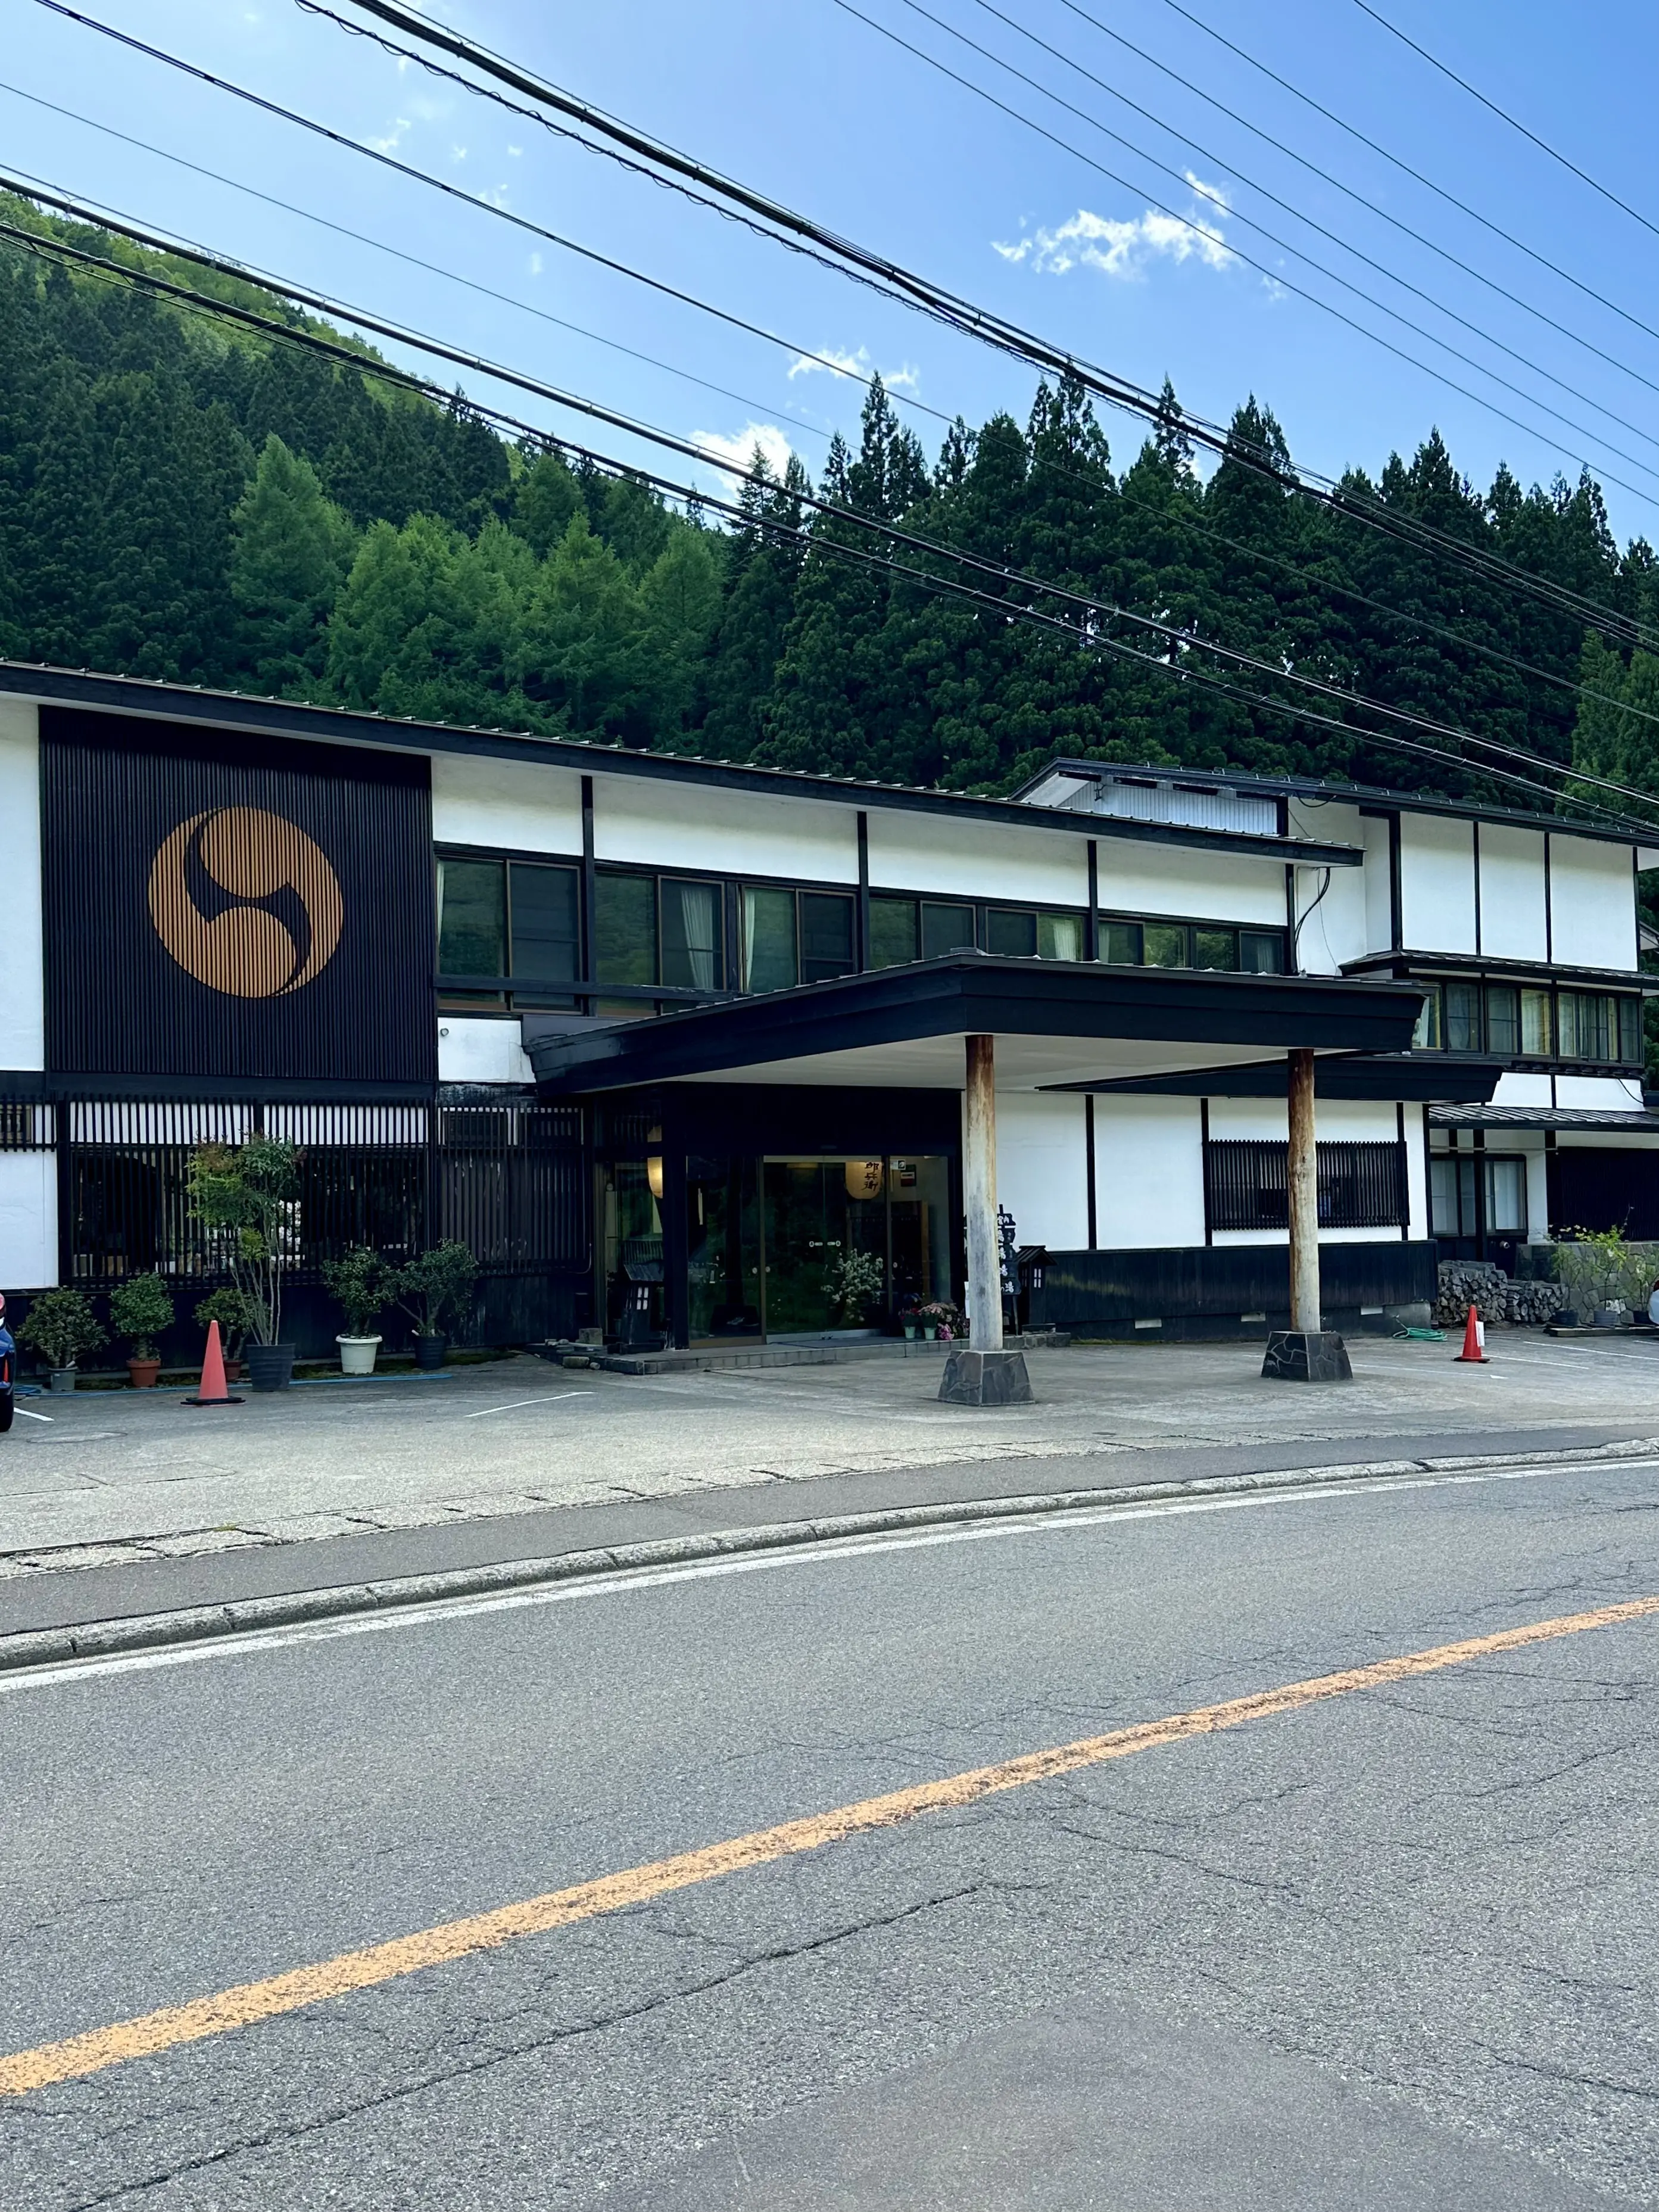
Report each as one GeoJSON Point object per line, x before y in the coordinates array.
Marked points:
{"type": "Point", "coordinates": [1058, 1024]}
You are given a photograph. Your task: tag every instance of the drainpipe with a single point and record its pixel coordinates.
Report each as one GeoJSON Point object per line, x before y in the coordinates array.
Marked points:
{"type": "Point", "coordinates": [979, 1195]}
{"type": "Point", "coordinates": [1303, 1190]}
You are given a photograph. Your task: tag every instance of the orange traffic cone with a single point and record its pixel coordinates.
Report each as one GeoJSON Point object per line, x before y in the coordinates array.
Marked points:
{"type": "Point", "coordinates": [211, 1391]}
{"type": "Point", "coordinates": [1474, 1339]}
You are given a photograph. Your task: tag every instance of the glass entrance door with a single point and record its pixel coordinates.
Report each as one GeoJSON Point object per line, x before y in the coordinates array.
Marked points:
{"type": "Point", "coordinates": [723, 1248]}
{"type": "Point", "coordinates": [826, 1245]}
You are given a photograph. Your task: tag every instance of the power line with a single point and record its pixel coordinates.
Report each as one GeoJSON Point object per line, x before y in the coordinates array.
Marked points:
{"type": "Point", "coordinates": [1110, 390]}
{"type": "Point", "coordinates": [1184, 519]}
{"type": "Point", "coordinates": [1274, 276]}
{"type": "Point", "coordinates": [1503, 116]}
{"type": "Point", "coordinates": [1416, 175]}
{"type": "Point", "coordinates": [1371, 206]}
{"type": "Point", "coordinates": [1094, 608]}
{"type": "Point", "coordinates": [1207, 154]}
{"type": "Point", "coordinates": [800, 232]}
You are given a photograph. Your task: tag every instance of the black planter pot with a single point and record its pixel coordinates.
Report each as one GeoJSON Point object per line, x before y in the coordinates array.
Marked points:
{"type": "Point", "coordinates": [270, 1367]}
{"type": "Point", "coordinates": [430, 1350]}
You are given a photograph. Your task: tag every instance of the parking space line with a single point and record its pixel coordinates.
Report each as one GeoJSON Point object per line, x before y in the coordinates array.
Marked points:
{"type": "Point", "coordinates": [542, 1398]}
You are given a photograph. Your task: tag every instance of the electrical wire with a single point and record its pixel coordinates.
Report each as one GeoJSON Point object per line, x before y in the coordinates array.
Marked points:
{"type": "Point", "coordinates": [630, 146]}
{"type": "Point", "coordinates": [1405, 170]}
{"type": "Point", "coordinates": [1085, 632]}
{"type": "Point", "coordinates": [1255, 185]}
{"type": "Point", "coordinates": [1185, 521]}
{"type": "Point", "coordinates": [1274, 276]}
{"type": "Point", "coordinates": [1325, 176]}
{"type": "Point", "coordinates": [1503, 116]}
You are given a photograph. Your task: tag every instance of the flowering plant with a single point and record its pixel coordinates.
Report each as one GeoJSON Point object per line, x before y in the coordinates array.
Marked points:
{"type": "Point", "coordinates": [942, 1315]}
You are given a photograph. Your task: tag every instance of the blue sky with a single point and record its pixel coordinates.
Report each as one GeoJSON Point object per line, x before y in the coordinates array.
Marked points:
{"type": "Point", "coordinates": [1144, 272]}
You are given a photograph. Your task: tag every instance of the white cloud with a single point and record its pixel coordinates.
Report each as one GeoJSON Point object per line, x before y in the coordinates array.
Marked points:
{"type": "Point", "coordinates": [1124, 248]}
{"type": "Point", "coordinates": [838, 362]}
{"type": "Point", "coordinates": [535, 265]}
{"type": "Point", "coordinates": [394, 137]}
{"type": "Point", "coordinates": [739, 449]}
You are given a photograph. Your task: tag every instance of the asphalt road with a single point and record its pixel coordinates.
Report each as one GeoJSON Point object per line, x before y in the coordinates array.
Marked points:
{"type": "Point", "coordinates": [1393, 1949]}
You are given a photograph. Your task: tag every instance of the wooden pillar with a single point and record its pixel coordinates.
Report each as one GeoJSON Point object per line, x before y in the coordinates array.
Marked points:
{"type": "Point", "coordinates": [979, 1195]}
{"type": "Point", "coordinates": [1302, 1180]}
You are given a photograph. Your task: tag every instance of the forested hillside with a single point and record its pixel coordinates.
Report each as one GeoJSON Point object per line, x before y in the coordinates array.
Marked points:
{"type": "Point", "coordinates": [183, 501]}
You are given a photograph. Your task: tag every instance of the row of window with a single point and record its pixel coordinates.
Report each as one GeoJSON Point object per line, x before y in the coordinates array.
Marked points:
{"type": "Point", "coordinates": [1514, 1021]}
{"type": "Point", "coordinates": [1454, 1179]}
{"type": "Point", "coordinates": [519, 923]}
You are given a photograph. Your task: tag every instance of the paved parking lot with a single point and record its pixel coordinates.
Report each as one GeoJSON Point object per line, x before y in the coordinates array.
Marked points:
{"type": "Point", "coordinates": [107, 1476]}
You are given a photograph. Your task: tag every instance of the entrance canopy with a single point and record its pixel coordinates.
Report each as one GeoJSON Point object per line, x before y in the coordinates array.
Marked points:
{"type": "Point", "coordinates": [1058, 1025]}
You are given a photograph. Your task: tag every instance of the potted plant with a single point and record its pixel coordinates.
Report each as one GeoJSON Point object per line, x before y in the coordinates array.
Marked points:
{"type": "Point", "coordinates": [853, 1282]}
{"type": "Point", "coordinates": [247, 1197]}
{"type": "Point", "coordinates": [141, 1309]}
{"type": "Point", "coordinates": [229, 1310]}
{"type": "Point", "coordinates": [361, 1284]}
{"type": "Point", "coordinates": [429, 1288]}
{"type": "Point", "coordinates": [60, 1326]}
{"type": "Point", "coordinates": [940, 1318]}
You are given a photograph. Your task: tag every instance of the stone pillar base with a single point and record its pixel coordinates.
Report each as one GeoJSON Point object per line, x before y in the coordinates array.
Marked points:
{"type": "Point", "coordinates": [1296, 1355]}
{"type": "Point", "coordinates": [986, 1378]}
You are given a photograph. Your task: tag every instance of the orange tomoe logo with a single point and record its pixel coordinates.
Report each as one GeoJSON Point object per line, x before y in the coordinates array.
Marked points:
{"type": "Point", "coordinates": [248, 951]}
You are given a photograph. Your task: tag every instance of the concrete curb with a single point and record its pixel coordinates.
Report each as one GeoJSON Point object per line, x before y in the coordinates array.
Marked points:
{"type": "Point", "coordinates": [194, 1624]}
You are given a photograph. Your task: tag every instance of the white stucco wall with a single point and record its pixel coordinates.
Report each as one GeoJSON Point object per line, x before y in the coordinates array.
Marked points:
{"type": "Point", "coordinates": [28, 1221]}
{"type": "Point", "coordinates": [1437, 884]}
{"type": "Point", "coordinates": [977, 860]}
{"type": "Point", "coordinates": [1334, 917]}
{"type": "Point", "coordinates": [1043, 1174]}
{"type": "Point", "coordinates": [474, 1049]}
{"type": "Point", "coordinates": [519, 807]}
{"type": "Point", "coordinates": [1512, 924]}
{"type": "Point", "coordinates": [687, 828]}
{"type": "Point", "coordinates": [1208, 886]}
{"type": "Point", "coordinates": [1592, 904]}
{"type": "Point", "coordinates": [1149, 1173]}
{"type": "Point", "coordinates": [1379, 885]}
{"type": "Point", "coordinates": [22, 999]}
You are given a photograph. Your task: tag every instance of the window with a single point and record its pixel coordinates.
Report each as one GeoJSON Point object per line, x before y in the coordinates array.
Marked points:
{"type": "Point", "coordinates": [1506, 1197]}
{"type": "Point", "coordinates": [1630, 1028]}
{"type": "Point", "coordinates": [1596, 1025]}
{"type": "Point", "coordinates": [768, 940]}
{"type": "Point", "coordinates": [945, 929]}
{"type": "Point", "coordinates": [895, 931]}
{"type": "Point", "coordinates": [1451, 1194]}
{"type": "Point", "coordinates": [1010, 933]}
{"type": "Point", "coordinates": [1213, 945]}
{"type": "Point", "coordinates": [1463, 1018]}
{"type": "Point", "coordinates": [826, 936]}
{"type": "Point", "coordinates": [1060, 937]}
{"type": "Point", "coordinates": [1430, 1033]}
{"type": "Point", "coordinates": [509, 918]}
{"type": "Point", "coordinates": [1537, 1024]}
{"type": "Point", "coordinates": [626, 915]}
{"type": "Point", "coordinates": [1503, 1020]}
{"type": "Point", "coordinates": [1361, 1186]}
{"type": "Point", "coordinates": [693, 928]}
{"type": "Point", "coordinates": [1501, 1182]}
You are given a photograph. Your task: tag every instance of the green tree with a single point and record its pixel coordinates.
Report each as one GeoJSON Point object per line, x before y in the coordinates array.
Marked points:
{"type": "Point", "coordinates": [291, 550]}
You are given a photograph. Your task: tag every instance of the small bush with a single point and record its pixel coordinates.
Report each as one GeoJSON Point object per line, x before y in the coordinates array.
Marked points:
{"type": "Point", "coordinates": [361, 1284]}
{"type": "Point", "coordinates": [229, 1308]}
{"type": "Point", "coordinates": [139, 1310]}
{"type": "Point", "coordinates": [60, 1326]}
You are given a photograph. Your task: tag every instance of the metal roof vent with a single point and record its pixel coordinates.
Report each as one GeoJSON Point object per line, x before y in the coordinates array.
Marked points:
{"type": "Point", "coordinates": [1194, 806]}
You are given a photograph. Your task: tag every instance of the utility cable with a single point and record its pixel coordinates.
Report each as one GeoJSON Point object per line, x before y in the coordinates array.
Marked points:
{"type": "Point", "coordinates": [1326, 176]}
{"type": "Point", "coordinates": [632, 147]}
{"type": "Point", "coordinates": [1094, 608]}
{"type": "Point", "coordinates": [1503, 116]}
{"type": "Point", "coordinates": [1273, 276]}
{"type": "Point", "coordinates": [1254, 184]}
{"type": "Point", "coordinates": [1405, 170]}
{"type": "Point", "coordinates": [1184, 519]}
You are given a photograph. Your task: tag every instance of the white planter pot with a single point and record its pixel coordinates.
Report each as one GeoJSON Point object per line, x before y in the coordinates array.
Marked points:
{"type": "Point", "coordinates": [358, 1354]}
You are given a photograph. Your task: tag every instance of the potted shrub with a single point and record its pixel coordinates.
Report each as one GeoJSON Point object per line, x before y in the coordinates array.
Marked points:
{"type": "Point", "coordinates": [428, 1288]}
{"type": "Point", "coordinates": [940, 1318]}
{"type": "Point", "coordinates": [228, 1308]}
{"type": "Point", "coordinates": [60, 1326]}
{"type": "Point", "coordinates": [247, 1197]}
{"type": "Point", "coordinates": [361, 1284]}
{"type": "Point", "coordinates": [141, 1309]}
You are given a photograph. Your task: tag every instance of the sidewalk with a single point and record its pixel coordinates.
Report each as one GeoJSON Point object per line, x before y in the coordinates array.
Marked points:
{"type": "Point", "coordinates": [109, 1478]}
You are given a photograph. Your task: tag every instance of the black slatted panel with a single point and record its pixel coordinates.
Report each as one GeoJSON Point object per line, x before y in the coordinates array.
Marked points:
{"type": "Point", "coordinates": [1360, 1186]}
{"type": "Point", "coordinates": [229, 906]}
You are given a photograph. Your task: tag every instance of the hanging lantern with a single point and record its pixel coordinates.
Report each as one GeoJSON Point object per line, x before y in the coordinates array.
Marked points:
{"type": "Point", "coordinates": [864, 1179]}
{"type": "Point", "coordinates": [653, 1165]}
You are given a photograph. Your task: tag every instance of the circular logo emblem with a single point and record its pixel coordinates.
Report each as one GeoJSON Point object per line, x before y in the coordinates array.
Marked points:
{"type": "Point", "coordinates": [283, 914]}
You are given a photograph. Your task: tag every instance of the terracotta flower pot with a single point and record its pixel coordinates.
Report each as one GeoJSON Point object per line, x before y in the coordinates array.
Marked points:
{"type": "Point", "coordinates": [143, 1374]}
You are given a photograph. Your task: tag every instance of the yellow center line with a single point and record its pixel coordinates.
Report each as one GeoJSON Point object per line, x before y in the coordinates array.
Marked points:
{"type": "Point", "coordinates": [155, 2032]}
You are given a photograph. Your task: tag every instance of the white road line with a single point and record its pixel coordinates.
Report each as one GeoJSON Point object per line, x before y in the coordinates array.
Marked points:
{"type": "Point", "coordinates": [28, 1416]}
{"type": "Point", "coordinates": [629, 1580]}
{"type": "Point", "coordinates": [546, 1398]}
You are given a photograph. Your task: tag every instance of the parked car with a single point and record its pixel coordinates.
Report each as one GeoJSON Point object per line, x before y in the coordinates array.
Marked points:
{"type": "Point", "coordinates": [8, 1371]}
